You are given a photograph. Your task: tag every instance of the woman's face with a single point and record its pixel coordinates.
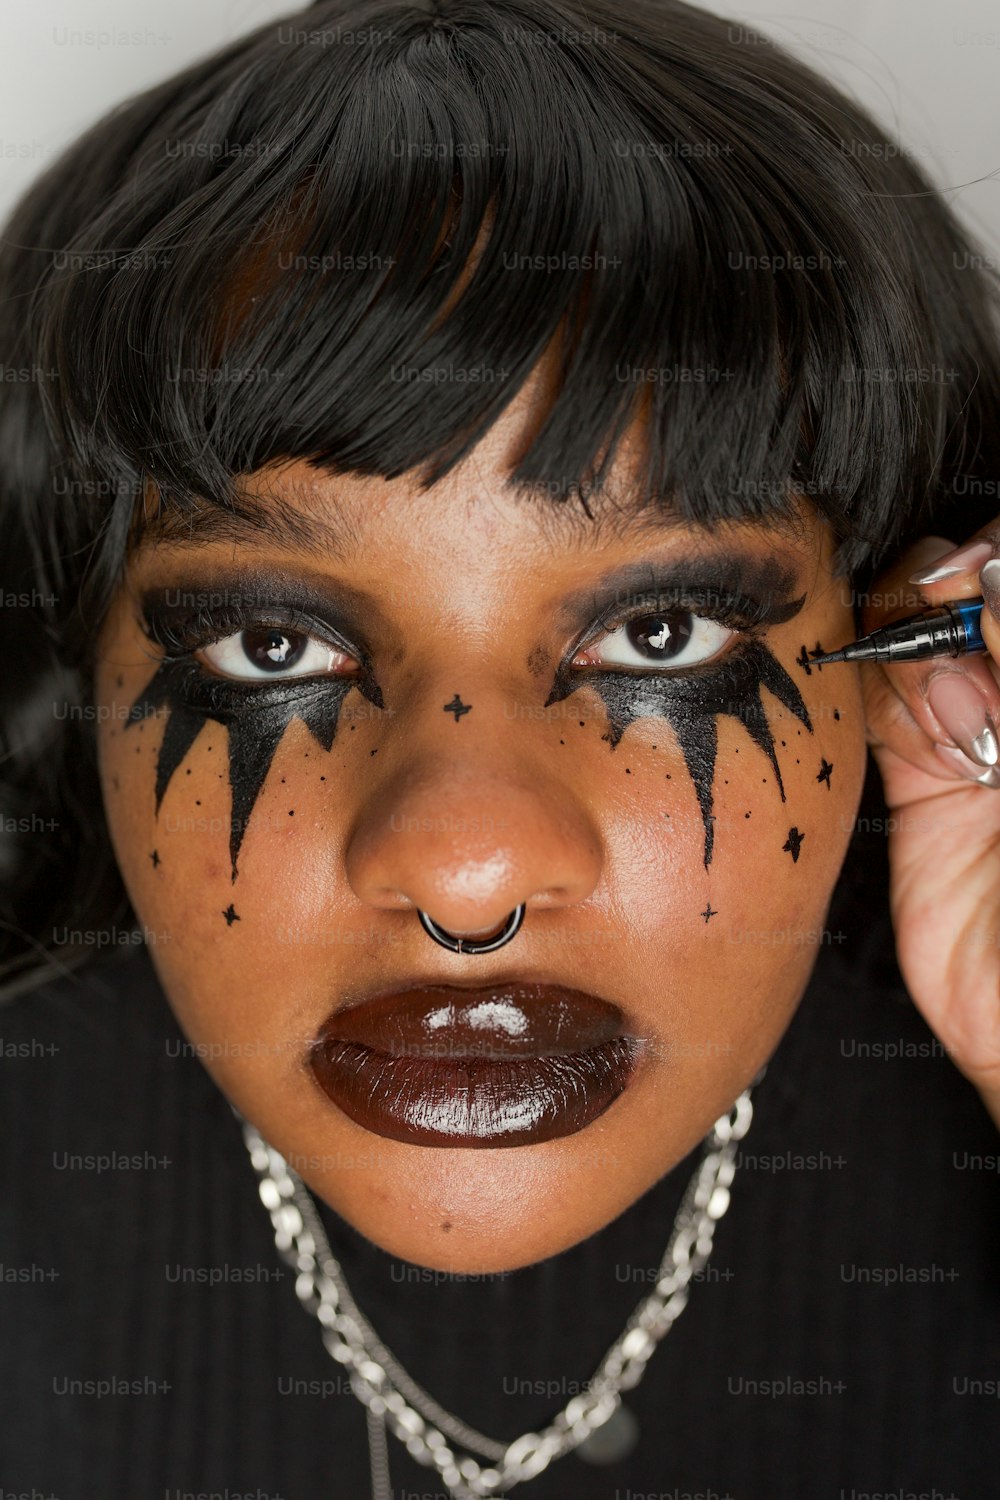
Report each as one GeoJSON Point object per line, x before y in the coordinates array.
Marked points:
{"type": "Point", "coordinates": [462, 724]}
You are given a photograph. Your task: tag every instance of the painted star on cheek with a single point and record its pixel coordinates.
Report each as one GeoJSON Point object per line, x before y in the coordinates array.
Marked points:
{"type": "Point", "coordinates": [457, 707]}
{"type": "Point", "coordinates": [255, 716]}
{"type": "Point", "coordinates": [689, 702]}
{"type": "Point", "coordinates": [824, 771]}
{"type": "Point", "coordinates": [793, 844]}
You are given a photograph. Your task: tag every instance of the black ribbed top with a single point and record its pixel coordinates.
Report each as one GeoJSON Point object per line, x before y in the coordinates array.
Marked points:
{"type": "Point", "coordinates": [844, 1342]}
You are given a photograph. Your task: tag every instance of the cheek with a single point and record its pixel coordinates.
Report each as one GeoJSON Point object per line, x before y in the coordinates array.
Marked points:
{"type": "Point", "coordinates": [797, 840]}
{"type": "Point", "coordinates": [211, 937]}
{"type": "Point", "coordinates": [776, 862]}
{"type": "Point", "coordinates": [732, 945]}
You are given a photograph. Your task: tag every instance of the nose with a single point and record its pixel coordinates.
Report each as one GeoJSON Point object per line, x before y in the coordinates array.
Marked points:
{"type": "Point", "coordinates": [468, 823]}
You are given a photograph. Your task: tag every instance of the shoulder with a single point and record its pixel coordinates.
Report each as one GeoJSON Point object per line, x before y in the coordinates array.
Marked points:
{"type": "Point", "coordinates": [97, 1033]}
{"type": "Point", "coordinates": [105, 1097]}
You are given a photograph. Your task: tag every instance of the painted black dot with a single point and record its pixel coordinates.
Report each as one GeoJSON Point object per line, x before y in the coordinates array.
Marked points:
{"type": "Point", "coordinates": [836, 713]}
{"type": "Point", "coordinates": [155, 859]}
{"type": "Point", "coordinates": [188, 771]}
{"type": "Point", "coordinates": [802, 660]}
{"type": "Point", "coordinates": [197, 802]}
{"type": "Point", "coordinates": [291, 812]}
{"type": "Point", "coordinates": [581, 723]}
{"type": "Point", "coordinates": [373, 752]}
{"type": "Point", "coordinates": [119, 680]}
{"type": "Point", "coordinates": [746, 815]}
{"type": "Point", "coordinates": [322, 778]}
{"type": "Point", "coordinates": [627, 771]}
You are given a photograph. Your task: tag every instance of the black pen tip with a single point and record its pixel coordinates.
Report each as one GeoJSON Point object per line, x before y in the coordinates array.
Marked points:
{"type": "Point", "coordinates": [829, 656]}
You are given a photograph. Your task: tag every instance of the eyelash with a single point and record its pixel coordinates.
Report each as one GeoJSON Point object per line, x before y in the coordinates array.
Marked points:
{"type": "Point", "coordinates": [737, 611]}
{"type": "Point", "coordinates": [181, 639]}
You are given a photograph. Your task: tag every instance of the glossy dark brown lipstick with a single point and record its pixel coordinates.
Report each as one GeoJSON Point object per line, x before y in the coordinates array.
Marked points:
{"type": "Point", "coordinates": [510, 1065]}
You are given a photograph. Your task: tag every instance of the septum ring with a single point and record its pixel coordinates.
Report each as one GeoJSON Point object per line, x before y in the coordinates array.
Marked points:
{"type": "Point", "coordinates": [471, 945]}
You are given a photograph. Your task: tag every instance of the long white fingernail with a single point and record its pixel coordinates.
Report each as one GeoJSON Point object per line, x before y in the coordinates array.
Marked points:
{"type": "Point", "coordinates": [967, 559]}
{"type": "Point", "coordinates": [956, 761]}
{"type": "Point", "coordinates": [960, 709]}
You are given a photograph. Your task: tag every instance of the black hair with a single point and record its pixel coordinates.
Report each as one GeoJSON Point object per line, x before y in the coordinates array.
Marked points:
{"type": "Point", "coordinates": [233, 267]}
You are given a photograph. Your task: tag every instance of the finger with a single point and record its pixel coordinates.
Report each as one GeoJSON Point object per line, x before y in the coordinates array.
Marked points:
{"type": "Point", "coordinates": [941, 715]}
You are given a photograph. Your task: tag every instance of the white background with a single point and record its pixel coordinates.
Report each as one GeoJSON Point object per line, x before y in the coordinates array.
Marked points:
{"type": "Point", "coordinates": [928, 71]}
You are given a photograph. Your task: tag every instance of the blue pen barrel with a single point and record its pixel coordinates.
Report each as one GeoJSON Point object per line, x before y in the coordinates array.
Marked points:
{"type": "Point", "coordinates": [950, 629]}
{"type": "Point", "coordinates": [969, 612]}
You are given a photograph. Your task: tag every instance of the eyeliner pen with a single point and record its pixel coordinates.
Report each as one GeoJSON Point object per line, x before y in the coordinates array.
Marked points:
{"type": "Point", "coordinates": [945, 630]}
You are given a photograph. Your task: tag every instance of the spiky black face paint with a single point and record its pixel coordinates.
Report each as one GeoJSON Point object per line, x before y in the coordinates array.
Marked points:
{"type": "Point", "coordinates": [689, 702]}
{"type": "Point", "coordinates": [255, 717]}
{"type": "Point", "coordinates": [255, 713]}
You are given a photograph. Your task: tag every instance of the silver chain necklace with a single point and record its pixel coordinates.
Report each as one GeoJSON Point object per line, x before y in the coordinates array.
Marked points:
{"type": "Point", "coordinates": [391, 1396]}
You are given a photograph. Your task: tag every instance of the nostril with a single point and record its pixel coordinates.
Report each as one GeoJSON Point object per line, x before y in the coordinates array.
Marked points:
{"type": "Point", "coordinates": [475, 932]}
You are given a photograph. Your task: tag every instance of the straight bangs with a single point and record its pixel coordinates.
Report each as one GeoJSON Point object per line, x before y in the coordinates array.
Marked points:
{"type": "Point", "coordinates": [351, 237]}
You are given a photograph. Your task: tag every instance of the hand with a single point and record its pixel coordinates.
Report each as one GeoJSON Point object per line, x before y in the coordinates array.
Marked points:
{"type": "Point", "coordinates": [927, 722]}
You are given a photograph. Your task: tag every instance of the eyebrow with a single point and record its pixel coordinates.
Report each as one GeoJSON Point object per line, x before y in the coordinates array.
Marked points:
{"type": "Point", "coordinates": [254, 520]}
{"type": "Point", "coordinates": [266, 518]}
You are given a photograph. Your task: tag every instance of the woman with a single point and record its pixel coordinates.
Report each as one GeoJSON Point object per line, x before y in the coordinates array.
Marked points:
{"type": "Point", "coordinates": [457, 430]}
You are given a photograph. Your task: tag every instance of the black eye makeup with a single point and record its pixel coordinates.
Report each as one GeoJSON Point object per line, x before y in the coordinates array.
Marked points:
{"type": "Point", "coordinates": [690, 701]}
{"type": "Point", "coordinates": [255, 711]}
{"type": "Point", "coordinates": [664, 647]}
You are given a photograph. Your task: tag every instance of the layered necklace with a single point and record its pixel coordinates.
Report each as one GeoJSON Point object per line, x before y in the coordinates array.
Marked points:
{"type": "Point", "coordinates": [595, 1424]}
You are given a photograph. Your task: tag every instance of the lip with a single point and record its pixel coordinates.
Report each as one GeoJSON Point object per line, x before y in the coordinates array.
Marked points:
{"type": "Point", "coordinates": [512, 1063]}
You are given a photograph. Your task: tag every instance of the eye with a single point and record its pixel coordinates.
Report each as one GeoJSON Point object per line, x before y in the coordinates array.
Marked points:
{"type": "Point", "coordinates": [666, 638]}
{"type": "Point", "coordinates": [264, 651]}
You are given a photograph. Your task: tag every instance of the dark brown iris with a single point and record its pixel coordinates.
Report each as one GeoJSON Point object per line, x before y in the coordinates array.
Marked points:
{"type": "Point", "coordinates": [271, 649]}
